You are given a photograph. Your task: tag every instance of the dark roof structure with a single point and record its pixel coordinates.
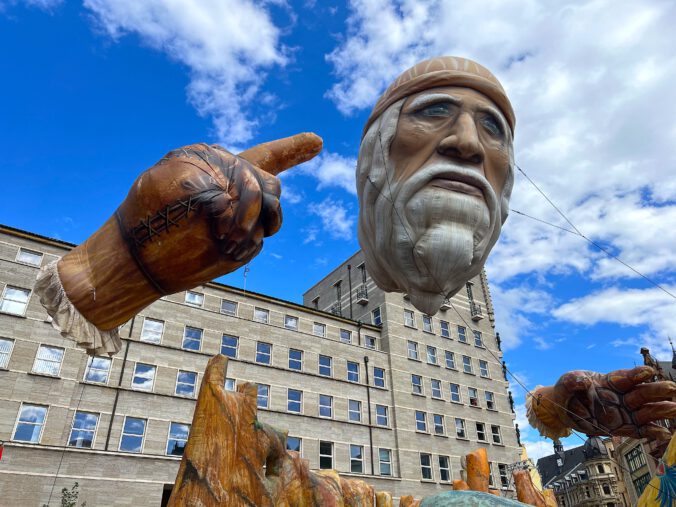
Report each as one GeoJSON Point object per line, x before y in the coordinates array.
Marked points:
{"type": "Point", "coordinates": [549, 468]}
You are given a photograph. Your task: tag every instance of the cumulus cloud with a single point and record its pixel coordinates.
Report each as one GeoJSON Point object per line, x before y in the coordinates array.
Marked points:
{"type": "Point", "coordinates": [335, 217]}
{"type": "Point", "coordinates": [227, 45]}
{"type": "Point", "coordinates": [332, 170]}
{"type": "Point", "coordinates": [45, 5]}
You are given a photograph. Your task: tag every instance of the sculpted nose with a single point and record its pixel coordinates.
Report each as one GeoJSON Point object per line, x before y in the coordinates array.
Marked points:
{"type": "Point", "coordinates": [463, 141]}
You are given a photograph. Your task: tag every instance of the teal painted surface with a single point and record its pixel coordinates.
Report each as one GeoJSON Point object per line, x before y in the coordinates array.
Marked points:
{"type": "Point", "coordinates": [468, 498]}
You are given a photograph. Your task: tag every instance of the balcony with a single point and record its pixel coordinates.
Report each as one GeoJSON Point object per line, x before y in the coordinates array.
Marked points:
{"type": "Point", "coordinates": [336, 310]}
{"type": "Point", "coordinates": [362, 295]}
{"type": "Point", "coordinates": [475, 311]}
{"type": "Point", "coordinates": [445, 305]}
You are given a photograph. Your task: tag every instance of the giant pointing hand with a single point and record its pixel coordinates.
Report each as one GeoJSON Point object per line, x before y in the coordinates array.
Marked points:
{"type": "Point", "coordinates": [197, 214]}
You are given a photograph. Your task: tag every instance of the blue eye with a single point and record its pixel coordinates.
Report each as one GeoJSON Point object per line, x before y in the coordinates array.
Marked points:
{"type": "Point", "coordinates": [492, 125]}
{"type": "Point", "coordinates": [436, 110]}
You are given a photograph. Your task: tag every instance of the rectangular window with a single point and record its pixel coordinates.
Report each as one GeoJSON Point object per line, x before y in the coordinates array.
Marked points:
{"type": "Point", "coordinates": [29, 424]}
{"type": "Point", "coordinates": [263, 353]}
{"type": "Point", "coordinates": [345, 336]}
{"type": "Point", "coordinates": [431, 355]}
{"type": "Point", "coordinates": [495, 432]}
{"type": "Point", "coordinates": [455, 393]}
{"type": "Point", "coordinates": [478, 341]}
{"type": "Point", "coordinates": [426, 466]}
{"type": "Point", "coordinates": [178, 438]}
{"type": "Point", "coordinates": [294, 401]}
{"type": "Point", "coordinates": [382, 416]}
{"type": "Point", "coordinates": [325, 405]}
{"type": "Point", "coordinates": [229, 307]}
{"type": "Point", "coordinates": [261, 315]}
{"type": "Point", "coordinates": [354, 410]}
{"type": "Point", "coordinates": [326, 366]}
{"type": "Point", "coordinates": [352, 371]}
{"type": "Point", "coordinates": [296, 359]}
{"type": "Point", "coordinates": [294, 444]}
{"type": "Point", "coordinates": [450, 360]}
{"type": "Point", "coordinates": [152, 330]}
{"type": "Point", "coordinates": [635, 459]}
{"type": "Point", "coordinates": [319, 329]}
{"type": "Point", "coordinates": [427, 324]}
{"type": "Point", "coordinates": [6, 347]}
{"type": "Point", "coordinates": [416, 384]}
{"type": "Point", "coordinates": [376, 318]}
{"type": "Point", "coordinates": [14, 300]}
{"type": "Point", "coordinates": [186, 383]}
{"type": "Point", "coordinates": [369, 342]}
{"type": "Point", "coordinates": [444, 469]}
{"type": "Point", "coordinates": [481, 432]}
{"type": "Point", "coordinates": [192, 338]}
{"type": "Point", "coordinates": [445, 329]}
{"type": "Point", "coordinates": [144, 377]}
{"type": "Point", "coordinates": [413, 350]}
{"type": "Point", "coordinates": [467, 364]}
{"type": "Point", "coordinates": [83, 430]}
{"type": "Point", "coordinates": [291, 322]}
{"type": "Point", "coordinates": [263, 397]}
{"type": "Point", "coordinates": [194, 299]}
{"type": "Point", "coordinates": [356, 459]}
{"type": "Point", "coordinates": [378, 377]}
{"type": "Point", "coordinates": [490, 400]}
{"type": "Point", "coordinates": [229, 384]}
{"type": "Point", "coordinates": [98, 369]}
{"type": "Point", "coordinates": [473, 396]}
{"type": "Point", "coordinates": [641, 482]}
{"type": "Point", "coordinates": [420, 420]}
{"type": "Point", "coordinates": [229, 345]}
{"type": "Point", "coordinates": [439, 424]}
{"type": "Point", "coordinates": [504, 479]}
{"type": "Point", "coordinates": [460, 428]}
{"type": "Point", "coordinates": [133, 433]}
{"type": "Point", "coordinates": [48, 360]}
{"type": "Point", "coordinates": [436, 388]}
{"type": "Point", "coordinates": [462, 334]}
{"type": "Point", "coordinates": [409, 318]}
{"type": "Point", "coordinates": [325, 455]}
{"type": "Point", "coordinates": [29, 257]}
{"type": "Point", "coordinates": [385, 460]}
{"type": "Point", "coordinates": [483, 368]}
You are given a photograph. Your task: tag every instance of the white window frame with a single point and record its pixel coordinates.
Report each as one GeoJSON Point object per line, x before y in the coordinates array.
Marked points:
{"type": "Point", "coordinates": [18, 421]}
{"type": "Point", "coordinates": [379, 377]}
{"type": "Point", "coordinates": [143, 436]}
{"type": "Point", "coordinates": [300, 445]}
{"type": "Point", "coordinates": [198, 296]}
{"type": "Point", "coordinates": [42, 347]}
{"type": "Point", "coordinates": [421, 422]}
{"type": "Point", "coordinates": [194, 386]}
{"type": "Point", "coordinates": [504, 477]}
{"type": "Point", "coordinates": [437, 392]}
{"type": "Point", "coordinates": [377, 317]}
{"type": "Point", "coordinates": [370, 342]}
{"type": "Point", "coordinates": [467, 365]}
{"type": "Point", "coordinates": [232, 381]}
{"type": "Point", "coordinates": [351, 373]}
{"type": "Point", "coordinates": [417, 388]}
{"type": "Point", "coordinates": [484, 369]}
{"type": "Point", "coordinates": [321, 405]}
{"type": "Point", "coordinates": [431, 355]}
{"type": "Point", "coordinates": [438, 426]}
{"type": "Point", "coordinates": [185, 337]}
{"type": "Point", "coordinates": [473, 399]}
{"type": "Point", "coordinates": [268, 354]}
{"type": "Point", "coordinates": [289, 401]}
{"type": "Point", "coordinates": [261, 396]}
{"type": "Point", "coordinates": [462, 334]}
{"type": "Point", "coordinates": [15, 301]}
{"type": "Point", "coordinates": [424, 467]}
{"type": "Point", "coordinates": [428, 325]}
{"type": "Point", "coordinates": [387, 462]}
{"type": "Point", "coordinates": [320, 366]}
{"type": "Point", "coordinates": [22, 250]}
{"type": "Point", "coordinates": [326, 455]}
{"type": "Point", "coordinates": [413, 351]}
{"type": "Point", "coordinates": [230, 347]}
{"type": "Point", "coordinates": [444, 467]}
{"type": "Point", "coordinates": [319, 329]}
{"type": "Point", "coordinates": [294, 360]}
{"type": "Point", "coordinates": [94, 431]}
{"type": "Point", "coordinates": [496, 434]}
{"type": "Point", "coordinates": [481, 430]}
{"type": "Point", "coordinates": [143, 330]}
{"type": "Point", "coordinates": [444, 329]}
{"type": "Point", "coordinates": [152, 384]}
{"type": "Point", "coordinates": [90, 361]}
{"type": "Point", "coordinates": [359, 461]}
{"type": "Point", "coordinates": [478, 339]}
{"type": "Point", "coordinates": [169, 439]}
{"type": "Point", "coordinates": [291, 322]}
{"type": "Point", "coordinates": [346, 336]}
{"type": "Point", "coordinates": [234, 312]}
{"type": "Point", "coordinates": [459, 400]}
{"type": "Point", "coordinates": [352, 411]}
{"type": "Point", "coordinates": [489, 396]}
{"type": "Point", "coordinates": [409, 318]}
{"type": "Point", "coordinates": [460, 428]}
{"type": "Point", "coordinates": [450, 355]}
{"type": "Point", "coordinates": [261, 315]}
{"type": "Point", "coordinates": [4, 363]}
{"type": "Point", "coordinates": [385, 416]}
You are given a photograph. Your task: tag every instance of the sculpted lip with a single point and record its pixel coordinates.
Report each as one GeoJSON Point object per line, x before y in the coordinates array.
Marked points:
{"type": "Point", "coordinates": [457, 186]}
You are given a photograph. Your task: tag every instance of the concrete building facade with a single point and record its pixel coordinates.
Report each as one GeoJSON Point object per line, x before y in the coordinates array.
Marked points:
{"type": "Point", "coordinates": [348, 387]}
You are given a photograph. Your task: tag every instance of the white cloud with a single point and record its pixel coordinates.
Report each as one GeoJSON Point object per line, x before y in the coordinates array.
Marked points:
{"type": "Point", "coordinates": [226, 45]}
{"type": "Point", "coordinates": [45, 5]}
{"type": "Point", "coordinates": [336, 220]}
{"type": "Point", "coordinates": [332, 170]}
{"type": "Point", "coordinates": [538, 449]}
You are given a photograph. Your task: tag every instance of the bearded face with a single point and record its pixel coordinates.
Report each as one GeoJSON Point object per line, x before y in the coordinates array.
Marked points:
{"type": "Point", "coordinates": [434, 178]}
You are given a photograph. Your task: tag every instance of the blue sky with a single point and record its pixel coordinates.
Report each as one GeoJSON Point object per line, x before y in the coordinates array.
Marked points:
{"type": "Point", "coordinates": [95, 91]}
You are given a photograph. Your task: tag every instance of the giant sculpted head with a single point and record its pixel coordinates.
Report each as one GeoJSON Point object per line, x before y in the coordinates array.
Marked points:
{"type": "Point", "coordinates": [434, 178]}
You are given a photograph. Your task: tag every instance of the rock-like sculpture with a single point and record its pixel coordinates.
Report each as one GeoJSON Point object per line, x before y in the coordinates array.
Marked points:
{"type": "Point", "coordinates": [434, 178]}
{"type": "Point", "coordinates": [197, 214]}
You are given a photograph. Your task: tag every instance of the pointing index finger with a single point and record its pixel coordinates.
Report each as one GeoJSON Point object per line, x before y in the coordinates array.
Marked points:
{"type": "Point", "coordinates": [276, 156]}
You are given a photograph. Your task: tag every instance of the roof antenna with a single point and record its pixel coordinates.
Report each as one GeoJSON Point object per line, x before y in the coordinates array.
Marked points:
{"type": "Point", "coordinates": [246, 271]}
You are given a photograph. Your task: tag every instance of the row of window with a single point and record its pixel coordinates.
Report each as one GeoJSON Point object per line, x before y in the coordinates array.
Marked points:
{"type": "Point", "coordinates": [432, 357]}
{"type": "Point", "coordinates": [325, 408]}
{"type": "Point", "coordinates": [444, 328]}
{"type": "Point", "coordinates": [438, 427]}
{"type": "Point", "coordinates": [262, 315]}
{"type": "Point", "coordinates": [455, 395]}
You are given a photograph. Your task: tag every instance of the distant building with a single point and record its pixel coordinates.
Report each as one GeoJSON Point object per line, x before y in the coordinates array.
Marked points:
{"type": "Point", "coordinates": [585, 476]}
{"type": "Point", "coordinates": [369, 387]}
